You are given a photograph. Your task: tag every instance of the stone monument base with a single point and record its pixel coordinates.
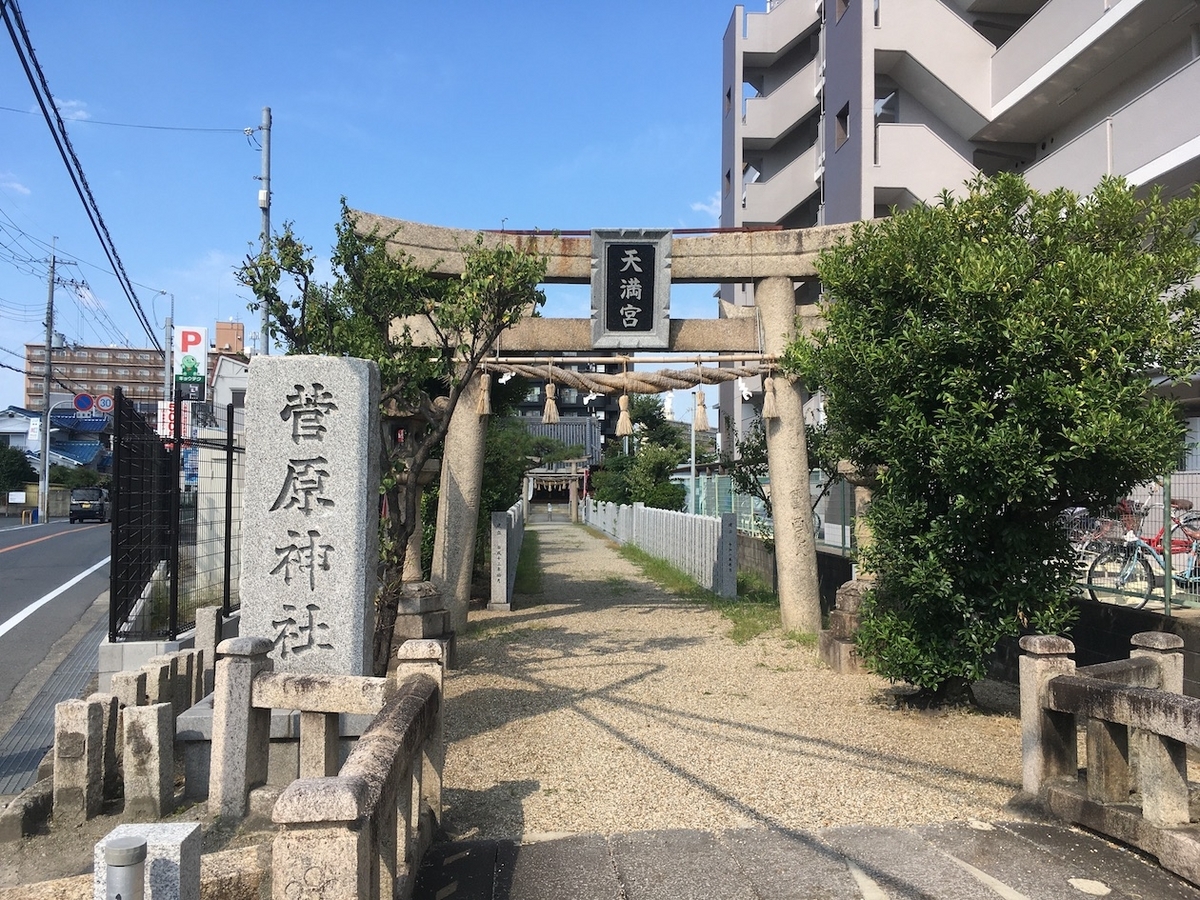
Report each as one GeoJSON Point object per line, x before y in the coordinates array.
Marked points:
{"type": "Point", "coordinates": [835, 645]}
{"type": "Point", "coordinates": [423, 616]}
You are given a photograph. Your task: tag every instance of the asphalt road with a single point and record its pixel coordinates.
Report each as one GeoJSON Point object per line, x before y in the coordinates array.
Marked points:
{"type": "Point", "coordinates": [35, 562]}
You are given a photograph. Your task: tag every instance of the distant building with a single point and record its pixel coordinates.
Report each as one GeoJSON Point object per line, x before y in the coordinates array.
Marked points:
{"type": "Point", "coordinates": [572, 402]}
{"type": "Point", "coordinates": [76, 439]}
{"type": "Point", "coordinates": [139, 372]}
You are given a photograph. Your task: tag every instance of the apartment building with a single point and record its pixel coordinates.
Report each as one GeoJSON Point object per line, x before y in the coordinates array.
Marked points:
{"type": "Point", "coordinates": [139, 372]}
{"type": "Point", "coordinates": [838, 110]}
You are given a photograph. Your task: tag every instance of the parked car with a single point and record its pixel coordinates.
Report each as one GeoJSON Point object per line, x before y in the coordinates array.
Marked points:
{"type": "Point", "coordinates": [90, 503]}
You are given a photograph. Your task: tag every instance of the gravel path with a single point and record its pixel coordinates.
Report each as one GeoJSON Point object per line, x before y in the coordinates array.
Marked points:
{"type": "Point", "coordinates": [605, 705]}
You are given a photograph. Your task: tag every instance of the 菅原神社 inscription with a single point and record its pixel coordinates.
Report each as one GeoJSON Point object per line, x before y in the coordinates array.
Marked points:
{"type": "Point", "coordinates": [311, 507]}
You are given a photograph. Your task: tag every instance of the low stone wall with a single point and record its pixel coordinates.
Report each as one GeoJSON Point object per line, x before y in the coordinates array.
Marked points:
{"type": "Point", "coordinates": [1139, 731]}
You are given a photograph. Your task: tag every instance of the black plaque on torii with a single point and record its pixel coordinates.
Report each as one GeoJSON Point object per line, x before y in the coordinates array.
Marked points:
{"type": "Point", "coordinates": [631, 289]}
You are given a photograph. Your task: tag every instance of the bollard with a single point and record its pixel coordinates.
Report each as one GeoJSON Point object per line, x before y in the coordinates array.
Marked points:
{"type": "Point", "coordinates": [125, 858]}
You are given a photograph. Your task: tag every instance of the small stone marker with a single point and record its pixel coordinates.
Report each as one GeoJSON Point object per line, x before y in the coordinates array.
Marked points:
{"type": "Point", "coordinates": [311, 511]}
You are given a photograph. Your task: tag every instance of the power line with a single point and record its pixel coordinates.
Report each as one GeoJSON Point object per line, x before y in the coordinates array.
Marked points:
{"type": "Point", "coordinates": [29, 112]}
{"type": "Point", "coordinates": [58, 131]}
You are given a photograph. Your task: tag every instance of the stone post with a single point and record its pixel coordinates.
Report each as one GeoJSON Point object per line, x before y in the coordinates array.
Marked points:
{"type": "Point", "coordinates": [310, 521]}
{"type": "Point", "coordinates": [149, 754]}
{"type": "Point", "coordinates": [172, 869]}
{"type": "Point", "coordinates": [427, 658]}
{"type": "Point", "coordinates": [787, 459]}
{"type": "Point", "coordinates": [208, 635]}
{"type": "Point", "coordinates": [458, 502]}
{"type": "Point", "coordinates": [1162, 761]}
{"type": "Point", "coordinates": [78, 761]}
{"type": "Point", "coordinates": [1167, 652]}
{"type": "Point", "coordinates": [240, 733]}
{"type": "Point", "coordinates": [318, 744]}
{"type": "Point", "coordinates": [574, 492]}
{"type": "Point", "coordinates": [159, 687]}
{"type": "Point", "coordinates": [1048, 740]}
{"type": "Point", "coordinates": [501, 535]}
{"type": "Point", "coordinates": [324, 847]}
{"type": "Point", "coordinates": [110, 718]}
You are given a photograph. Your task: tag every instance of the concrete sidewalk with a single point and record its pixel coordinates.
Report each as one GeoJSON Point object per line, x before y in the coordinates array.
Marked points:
{"type": "Point", "coordinates": [955, 861]}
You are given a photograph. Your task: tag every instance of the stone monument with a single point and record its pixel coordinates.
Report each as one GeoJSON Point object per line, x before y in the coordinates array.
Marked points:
{"type": "Point", "coordinates": [310, 521]}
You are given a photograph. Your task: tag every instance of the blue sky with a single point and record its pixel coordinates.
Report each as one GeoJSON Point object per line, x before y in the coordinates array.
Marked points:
{"type": "Point", "coordinates": [474, 114]}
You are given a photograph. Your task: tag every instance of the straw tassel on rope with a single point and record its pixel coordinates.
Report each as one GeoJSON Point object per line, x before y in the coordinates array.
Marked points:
{"type": "Point", "coordinates": [485, 395]}
{"type": "Point", "coordinates": [768, 410]}
{"type": "Point", "coordinates": [550, 413]}
{"type": "Point", "coordinates": [624, 423]}
{"type": "Point", "coordinates": [701, 411]}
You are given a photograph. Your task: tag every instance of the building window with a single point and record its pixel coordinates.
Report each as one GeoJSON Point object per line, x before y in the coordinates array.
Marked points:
{"type": "Point", "coordinates": [841, 6]}
{"type": "Point", "coordinates": [841, 127]}
{"type": "Point", "coordinates": [238, 399]}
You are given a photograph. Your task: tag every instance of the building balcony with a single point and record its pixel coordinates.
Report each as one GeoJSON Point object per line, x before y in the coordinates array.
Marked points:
{"type": "Point", "coordinates": [769, 201]}
{"type": "Point", "coordinates": [772, 115]}
{"type": "Point", "coordinates": [766, 36]}
{"type": "Point", "coordinates": [912, 160]}
{"type": "Point", "coordinates": [1072, 54]}
{"type": "Point", "coordinates": [938, 58]}
{"type": "Point", "coordinates": [1139, 141]}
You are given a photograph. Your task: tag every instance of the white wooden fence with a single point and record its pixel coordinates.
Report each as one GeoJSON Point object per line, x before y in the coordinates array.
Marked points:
{"type": "Point", "coordinates": [702, 547]}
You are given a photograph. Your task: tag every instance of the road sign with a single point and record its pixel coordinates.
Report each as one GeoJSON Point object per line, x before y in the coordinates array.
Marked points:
{"type": "Point", "coordinates": [191, 362]}
{"type": "Point", "coordinates": [105, 403]}
{"type": "Point", "coordinates": [84, 403]}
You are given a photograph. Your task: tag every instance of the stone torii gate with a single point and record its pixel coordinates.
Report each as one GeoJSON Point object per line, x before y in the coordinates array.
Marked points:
{"type": "Point", "coordinates": [773, 261]}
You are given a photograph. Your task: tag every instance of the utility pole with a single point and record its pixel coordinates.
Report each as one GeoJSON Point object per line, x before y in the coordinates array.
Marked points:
{"type": "Point", "coordinates": [264, 203]}
{"type": "Point", "coordinates": [44, 487]}
{"type": "Point", "coordinates": [168, 349]}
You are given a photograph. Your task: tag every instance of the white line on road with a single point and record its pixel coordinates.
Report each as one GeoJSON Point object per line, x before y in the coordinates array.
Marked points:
{"type": "Point", "coordinates": [33, 607]}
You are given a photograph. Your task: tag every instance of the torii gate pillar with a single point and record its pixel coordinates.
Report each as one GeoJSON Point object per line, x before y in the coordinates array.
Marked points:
{"type": "Point", "coordinates": [787, 461]}
{"type": "Point", "coordinates": [458, 504]}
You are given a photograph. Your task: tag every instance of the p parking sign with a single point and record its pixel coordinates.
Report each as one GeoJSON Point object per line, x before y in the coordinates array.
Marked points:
{"type": "Point", "coordinates": [190, 347]}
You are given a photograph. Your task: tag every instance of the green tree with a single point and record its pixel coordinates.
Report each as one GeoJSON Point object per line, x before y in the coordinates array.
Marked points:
{"type": "Point", "coordinates": [374, 308]}
{"type": "Point", "coordinates": [649, 478]}
{"type": "Point", "coordinates": [76, 476]}
{"type": "Point", "coordinates": [610, 481]}
{"type": "Point", "coordinates": [990, 359]}
{"type": "Point", "coordinates": [646, 410]}
{"type": "Point", "coordinates": [15, 470]}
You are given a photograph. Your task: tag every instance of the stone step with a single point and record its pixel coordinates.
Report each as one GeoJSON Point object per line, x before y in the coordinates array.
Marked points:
{"type": "Point", "coordinates": [953, 861]}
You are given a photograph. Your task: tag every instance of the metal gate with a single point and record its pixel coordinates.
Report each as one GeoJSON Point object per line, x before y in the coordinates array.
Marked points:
{"type": "Point", "coordinates": [175, 519]}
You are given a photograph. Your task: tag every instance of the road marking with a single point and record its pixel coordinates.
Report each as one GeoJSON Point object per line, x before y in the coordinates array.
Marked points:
{"type": "Point", "coordinates": [33, 607]}
{"type": "Point", "coordinates": [46, 538]}
{"type": "Point", "coordinates": [866, 885]}
{"type": "Point", "coordinates": [984, 878]}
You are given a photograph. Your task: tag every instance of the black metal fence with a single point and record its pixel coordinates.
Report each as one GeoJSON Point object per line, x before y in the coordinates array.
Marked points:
{"type": "Point", "coordinates": [176, 519]}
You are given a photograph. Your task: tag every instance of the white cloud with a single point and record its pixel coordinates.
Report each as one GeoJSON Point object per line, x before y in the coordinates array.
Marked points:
{"type": "Point", "coordinates": [8, 182]}
{"type": "Point", "coordinates": [72, 109]}
{"type": "Point", "coordinates": [711, 207]}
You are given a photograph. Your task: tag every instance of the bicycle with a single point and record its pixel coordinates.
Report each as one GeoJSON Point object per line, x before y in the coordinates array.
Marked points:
{"type": "Point", "coordinates": [1124, 569]}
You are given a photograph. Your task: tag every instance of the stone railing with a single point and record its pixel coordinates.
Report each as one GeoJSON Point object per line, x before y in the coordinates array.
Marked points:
{"type": "Point", "coordinates": [358, 830]}
{"type": "Point", "coordinates": [702, 547]}
{"type": "Point", "coordinates": [508, 533]}
{"type": "Point", "coordinates": [1139, 726]}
